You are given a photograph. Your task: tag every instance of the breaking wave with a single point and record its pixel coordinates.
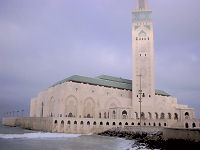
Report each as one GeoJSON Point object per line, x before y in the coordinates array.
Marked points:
{"type": "Point", "coordinates": [38, 135]}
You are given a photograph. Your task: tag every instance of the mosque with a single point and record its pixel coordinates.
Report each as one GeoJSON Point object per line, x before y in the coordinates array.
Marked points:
{"type": "Point", "coordinates": [80, 103]}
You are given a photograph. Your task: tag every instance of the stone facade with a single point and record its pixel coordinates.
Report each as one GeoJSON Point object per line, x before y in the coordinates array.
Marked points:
{"type": "Point", "coordinates": [80, 103]}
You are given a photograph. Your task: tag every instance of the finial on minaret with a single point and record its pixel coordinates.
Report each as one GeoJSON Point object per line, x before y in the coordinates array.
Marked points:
{"type": "Point", "coordinates": [142, 4]}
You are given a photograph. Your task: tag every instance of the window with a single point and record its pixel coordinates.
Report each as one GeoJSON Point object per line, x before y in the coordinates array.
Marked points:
{"type": "Point", "coordinates": [94, 123]}
{"type": "Point", "coordinates": [193, 125]}
{"type": "Point", "coordinates": [132, 123]}
{"type": "Point", "coordinates": [159, 124]}
{"type": "Point", "coordinates": [81, 123]}
{"type": "Point", "coordinates": [62, 122]}
{"type": "Point", "coordinates": [107, 123]}
{"type": "Point", "coordinates": [162, 116]}
{"type": "Point", "coordinates": [88, 123]}
{"type": "Point", "coordinates": [55, 121]}
{"type": "Point", "coordinates": [165, 124]}
{"type": "Point", "coordinates": [136, 38]}
{"type": "Point", "coordinates": [68, 122]}
{"type": "Point", "coordinates": [120, 123]}
{"type": "Point", "coordinates": [113, 123]}
{"type": "Point", "coordinates": [126, 123]}
{"type": "Point", "coordinates": [101, 123]}
{"type": "Point", "coordinates": [175, 116]}
{"type": "Point", "coordinates": [186, 125]}
{"type": "Point", "coordinates": [75, 122]}
{"type": "Point", "coordinates": [169, 116]}
{"type": "Point", "coordinates": [99, 115]}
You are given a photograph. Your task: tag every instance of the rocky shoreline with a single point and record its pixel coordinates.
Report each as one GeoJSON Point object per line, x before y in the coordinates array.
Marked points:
{"type": "Point", "coordinates": [150, 139]}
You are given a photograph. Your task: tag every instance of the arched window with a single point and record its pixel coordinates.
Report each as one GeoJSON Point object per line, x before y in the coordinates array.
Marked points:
{"type": "Point", "coordinates": [114, 114]}
{"type": "Point", "coordinates": [99, 115]}
{"type": "Point", "coordinates": [162, 116]}
{"type": "Point", "coordinates": [169, 116]}
{"type": "Point", "coordinates": [101, 123]}
{"type": "Point", "coordinates": [165, 124]}
{"type": "Point", "coordinates": [107, 123]}
{"type": "Point", "coordinates": [150, 116]}
{"type": "Point", "coordinates": [70, 115]}
{"type": "Point", "coordinates": [124, 114]}
{"type": "Point", "coordinates": [149, 124]}
{"type": "Point", "coordinates": [156, 115]}
{"type": "Point", "coordinates": [88, 123]}
{"type": "Point", "coordinates": [55, 121]}
{"type": "Point", "coordinates": [94, 123]}
{"type": "Point", "coordinates": [75, 122]}
{"type": "Point", "coordinates": [105, 115]}
{"type": "Point", "coordinates": [142, 115]}
{"type": "Point", "coordinates": [186, 125]}
{"type": "Point", "coordinates": [68, 122]}
{"type": "Point", "coordinates": [120, 123]}
{"type": "Point", "coordinates": [138, 124]}
{"type": "Point", "coordinates": [154, 124]}
{"type": "Point", "coordinates": [62, 122]}
{"type": "Point", "coordinates": [187, 115]}
{"type": "Point", "coordinates": [89, 116]}
{"type": "Point", "coordinates": [193, 125]}
{"type": "Point", "coordinates": [126, 123]}
{"type": "Point", "coordinates": [144, 124]}
{"type": "Point", "coordinates": [175, 116]}
{"type": "Point", "coordinates": [113, 123]}
{"type": "Point", "coordinates": [159, 124]}
{"type": "Point", "coordinates": [132, 123]}
{"type": "Point", "coordinates": [81, 122]}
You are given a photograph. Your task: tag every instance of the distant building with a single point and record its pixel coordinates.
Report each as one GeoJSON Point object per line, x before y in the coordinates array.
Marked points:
{"type": "Point", "coordinates": [108, 101]}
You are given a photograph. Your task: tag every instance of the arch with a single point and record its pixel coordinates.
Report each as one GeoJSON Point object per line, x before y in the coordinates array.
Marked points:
{"type": "Point", "coordinates": [186, 125]}
{"type": "Point", "coordinates": [55, 122]}
{"type": "Point", "coordinates": [175, 116]}
{"type": "Point", "coordinates": [132, 123]}
{"type": "Point", "coordinates": [107, 123]}
{"type": "Point", "coordinates": [156, 115]}
{"type": "Point", "coordinates": [62, 122]}
{"type": "Point", "coordinates": [193, 125]}
{"type": "Point", "coordinates": [149, 124]}
{"type": "Point", "coordinates": [126, 123]}
{"type": "Point", "coordinates": [145, 124]}
{"type": "Point", "coordinates": [75, 122]}
{"type": "Point", "coordinates": [187, 115]}
{"type": "Point", "coordinates": [101, 123]}
{"type": "Point", "coordinates": [124, 114]}
{"type": "Point", "coordinates": [70, 106]}
{"type": "Point", "coordinates": [165, 124]}
{"type": "Point", "coordinates": [142, 115]}
{"type": "Point", "coordinates": [88, 123]}
{"type": "Point", "coordinates": [94, 123]}
{"type": "Point", "coordinates": [99, 115]}
{"type": "Point", "coordinates": [120, 123]}
{"type": "Point", "coordinates": [169, 116]}
{"type": "Point", "coordinates": [154, 124]}
{"type": "Point", "coordinates": [138, 124]}
{"type": "Point", "coordinates": [105, 115]}
{"type": "Point", "coordinates": [81, 123]}
{"type": "Point", "coordinates": [159, 124]}
{"type": "Point", "coordinates": [68, 122]}
{"type": "Point", "coordinates": [162, 116]}
{"type": "Point", "coordinates": [114, 114]}
{"type": "Point", "coordinates": [89, 108]}
{"type": "Point", "coordinates": [113, 123]}
{"type": "Point", "coordinates": [150, 115]}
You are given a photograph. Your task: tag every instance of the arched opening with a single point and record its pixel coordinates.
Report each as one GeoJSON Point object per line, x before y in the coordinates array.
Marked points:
{"type": "Point", "coordinates": [124, 114]}
{"type": "Point", "coordinates": [156, 115]}
{"type": "Point", "coordinates": [62, 122]}
{"type": "Point", "coordinates": [150, 116]}
{"type": "Point", "coordinates": [94, 123]}
{"type": "Point", "coordinates": [162, 116]}
{"type": "Point", "coordinates": [138, 124]}
{"type": "Point", "coordinates": [55, 121]}
{"type": "Point", "coordinates": [99, 115]}
{"type": "Point", "coordinates": [70, 115]}
{"type": "Point", "coordinates": [149, 124]}
{"type": "Point", "coordinates": [101, 123]}
{"type": "Point", "coordinates": [154, 124]}
{"type": "Point", "coordinates": [75, 122]}
{"type": "Point", "coordinates": [120, 123]}
{"type": "Point", "coordinates": [193, 125]}
{"type": "Point", "coordinates": [114, 114]}
{"type": "Point", "coordinates": [107, 123]}
{"type": "Point", "coordinates": [88, 123]}
{"type": "Point", "coordinates": [169, 116]}
{"type": "Point", "coordinates": [175, 116]}
{"type": "Point", "coordinates": [142, 115]}
{"type": "Point", "coordinates": [105, 115]}
{"type": "Point", "coordinates": [187, 115]}
{"type": "Point", "coordinates": [126, 123]}
{"type": "Point", "coordinates": [81, 122]}
{"type": "Point", "coordinates": [132, 123]}
{"type": "Point", "coordinates": [159, 124]}
{"type": "Point", "coordinates": [144, 124]}
{"type": "Point", "coordinates": [68, 122]}
{"type": "Point", "coordinates": [88, 116]}
{"type": "Point", "coordinates": [186, 125]}
{"type": "Point", "coordinates": [165, 124]}
{"type": "Point", "coordinates": [113, 123]}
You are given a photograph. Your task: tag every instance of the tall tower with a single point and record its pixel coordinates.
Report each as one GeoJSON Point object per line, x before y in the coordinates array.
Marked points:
{"type": "Point", "coordinates": [143, 54]}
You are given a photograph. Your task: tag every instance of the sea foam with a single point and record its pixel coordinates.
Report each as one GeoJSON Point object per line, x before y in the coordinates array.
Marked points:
{"type": "Point", "coordinates": [38, 135]}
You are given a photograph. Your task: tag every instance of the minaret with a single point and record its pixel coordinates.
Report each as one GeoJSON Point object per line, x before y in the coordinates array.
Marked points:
{"type": "Point", "coordinates": [143, 54]}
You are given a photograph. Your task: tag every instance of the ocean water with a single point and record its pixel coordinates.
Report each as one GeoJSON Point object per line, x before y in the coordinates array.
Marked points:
{"type": "Point", "coordinates": [15, 138]}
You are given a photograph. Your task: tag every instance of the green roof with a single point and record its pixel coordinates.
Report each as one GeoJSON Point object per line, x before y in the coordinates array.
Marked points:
{"type": "Point", "coordinates": [107, 81]}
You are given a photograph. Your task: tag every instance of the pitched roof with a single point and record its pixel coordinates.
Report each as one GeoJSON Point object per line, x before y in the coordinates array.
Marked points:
{"type": "Point", "coordinates": [107, 81]}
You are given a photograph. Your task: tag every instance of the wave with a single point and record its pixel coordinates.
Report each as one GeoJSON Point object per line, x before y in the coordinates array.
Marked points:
{"type": "Point", "coordinates": [38, 135]}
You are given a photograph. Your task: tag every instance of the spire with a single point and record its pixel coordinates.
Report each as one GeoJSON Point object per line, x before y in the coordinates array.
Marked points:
{"type": "Point", "coordinates": [142, 4]}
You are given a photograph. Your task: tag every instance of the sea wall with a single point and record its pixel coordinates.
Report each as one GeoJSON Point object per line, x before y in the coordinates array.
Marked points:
{"type": "Point", "coordinates": [32, 123]}
{"type": "Point", "coordinates": [181, 134]}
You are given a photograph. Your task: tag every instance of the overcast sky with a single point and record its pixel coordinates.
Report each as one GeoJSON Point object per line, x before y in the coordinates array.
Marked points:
{"type": "Point", "coordinates": [44, 41]}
